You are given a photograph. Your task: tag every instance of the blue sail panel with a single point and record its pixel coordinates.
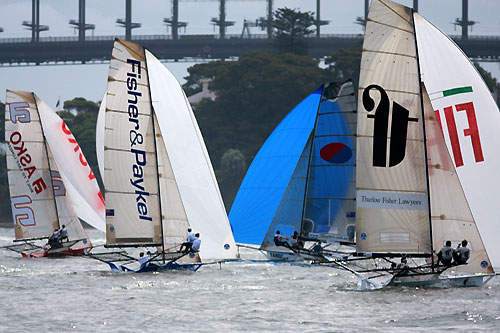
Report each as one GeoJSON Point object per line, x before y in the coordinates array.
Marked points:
{"type": "Point", "coordinates": [270, 173]}
{"type": "Point", "coordinates": [331, 192]}
{"type": "Point", "coordinates": [288, 218]}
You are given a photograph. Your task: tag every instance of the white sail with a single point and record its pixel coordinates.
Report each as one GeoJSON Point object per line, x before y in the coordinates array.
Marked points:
{"type": "Point", "coordinates": [65, 210]}
{"type": "Point", "coordinates": [470, 119]}
{"type": "Point", "coordinates": [99, 136]}
{"type": "Point", "coordinates": [79, 179]}
{"type": "Point", "coordinates": [451, 216]}
{"type": "Point", "coordinates": [130, 173]}
{"type": "Point", "coordinates": [32, 200]}
{"type": "Point", "coordinates": [175, 221]}
{"type": "Point", "coordinates": [190, 163]}
{"type": "Point", "coordinates": [392, 200]}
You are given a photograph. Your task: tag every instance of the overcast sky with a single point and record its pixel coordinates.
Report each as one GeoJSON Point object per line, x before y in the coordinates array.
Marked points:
{"type": "Point", "coordinates": [89, 81]}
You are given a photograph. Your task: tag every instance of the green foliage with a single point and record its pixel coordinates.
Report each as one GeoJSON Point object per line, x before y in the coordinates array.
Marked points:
{"type": "Point", "coordinates": [83, 128]}
{"type": "Point", "coordinates": [490, 81]}
{"type": "Point", "coordinates": [253, 95]}
{"type": "Point", "coordinates": [292, 28]}
{"type": "Point", "coordinates": [200, 71]}
{"type": "Point", "coordinates": [232, 170]}
{"type": "Point", "coordinates": [345, 65]}
{"type": "Point", "coordinates": [80, 104]}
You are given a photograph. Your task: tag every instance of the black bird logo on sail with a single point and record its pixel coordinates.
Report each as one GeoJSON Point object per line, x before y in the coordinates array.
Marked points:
{"type": "Point", "coordinates": [399, 128]}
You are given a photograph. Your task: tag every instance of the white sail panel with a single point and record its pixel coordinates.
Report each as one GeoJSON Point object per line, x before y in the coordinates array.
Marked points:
{"type": "Point", "coordinates": [470, 119]}
{"type": "Point", "coordinates": [390, 150]}
{"type": "Point", "coordinates": [79, 179]}
{"type": "Point", "coordinates": [130, 172]}
{"type": "Point", "coordinates": [32, 201]}
{"type": "Point", "coordinates": [451, 217]}
{"type": "Point", "coordinates": [175, 221]}
{"type": "Point", "coordinates": [65, 211]}
{"type": "Point", "coordinates": [190, 163]}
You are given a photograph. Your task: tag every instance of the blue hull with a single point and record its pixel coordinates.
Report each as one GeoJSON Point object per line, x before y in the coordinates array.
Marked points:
{"type": "Point", "coordinates": [170, 266]}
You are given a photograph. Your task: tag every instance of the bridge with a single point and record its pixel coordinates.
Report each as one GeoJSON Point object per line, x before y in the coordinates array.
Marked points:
{"type": "Point", "coordinates": [68, 50]}
{"type": "Point", "coordinates": [94, 49]}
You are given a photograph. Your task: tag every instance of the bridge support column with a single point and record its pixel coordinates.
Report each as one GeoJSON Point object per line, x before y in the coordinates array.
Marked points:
{"type": "Point", "coordinates": [465, 19]}
{"type": "Point", "coordinates": [269, 18]}
{"type": "Point", "coordinates": [175, 19]}
{"type": "Point", "coordinates": [318, 18]}
{"type": "Point", "coordinates": [222, 19]}
{"type": "Point", "coordinates": [128, 19]}
{"type": "Point", "coordinates": [35, 21]}
{"type": "Point", "coordinates": [81, 20]}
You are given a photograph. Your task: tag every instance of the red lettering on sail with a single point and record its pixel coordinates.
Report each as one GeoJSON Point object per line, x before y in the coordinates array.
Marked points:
{"type": "Point", "coordinates": [24, 161]}
{"type": "Point", "coordinates": [452, 132]}
{"type": "Point", "coordinates": [76, 148]}
{"type": "Point", "coordinates": [472, 131]}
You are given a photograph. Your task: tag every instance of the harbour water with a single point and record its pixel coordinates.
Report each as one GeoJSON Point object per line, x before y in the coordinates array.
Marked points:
{"type": "Point", "coordinates": [83, 295]}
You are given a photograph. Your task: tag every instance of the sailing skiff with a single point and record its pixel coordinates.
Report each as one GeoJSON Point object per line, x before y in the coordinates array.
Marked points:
{"type": "Point", "coordinates": [50, 181]}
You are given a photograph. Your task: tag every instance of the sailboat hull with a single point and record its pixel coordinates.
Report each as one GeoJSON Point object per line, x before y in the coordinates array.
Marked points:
{"type": "Point", "coordinates": [170, 266]}
{"type": "Point", "coordinates": [436, 280]}
{"type": "Point", "coordinates": [61, 252]}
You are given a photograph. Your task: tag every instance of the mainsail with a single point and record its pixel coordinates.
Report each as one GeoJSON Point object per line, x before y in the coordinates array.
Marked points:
{"type": "Point", "coordinates": [158, 178]}
{"type": "Point", "coordinates": [469, 118]}
{"type": "Point", "coordinates": [37, 186]}
{"type": "Point", "coordinates": [330, 206]}
{"type": "Point", "coordinates": [392, 195]}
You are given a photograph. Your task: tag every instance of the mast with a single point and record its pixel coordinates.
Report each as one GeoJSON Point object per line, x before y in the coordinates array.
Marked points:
{"type": "Point", "coordinates": [48, 160]}
{"type": "Point", "coordinates": [156, 159]}
{"type": "Point", "coordinates": [310, 158]}
{"type": "Point", "coordinates": [425, 139]}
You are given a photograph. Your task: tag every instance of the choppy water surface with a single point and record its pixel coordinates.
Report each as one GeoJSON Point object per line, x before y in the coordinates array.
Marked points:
{"type": "Point", "coordinates": [82, 295]}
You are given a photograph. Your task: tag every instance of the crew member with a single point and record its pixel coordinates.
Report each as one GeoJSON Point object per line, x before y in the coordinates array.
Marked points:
{"type": "Point", "coordinates": [196, 243]}
{"type": "Point", "coordinates": [279, 242]}
{"type": "Point", "coordinates": [189, 241]}
{"type": "Point", "coordinates": [445, 255]}
{"type": "Point", "coordinates": [462, 254]}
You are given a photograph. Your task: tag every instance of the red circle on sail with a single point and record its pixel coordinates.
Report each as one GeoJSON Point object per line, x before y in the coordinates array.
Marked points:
{"type": "Point", "coordinates": [336, 152]}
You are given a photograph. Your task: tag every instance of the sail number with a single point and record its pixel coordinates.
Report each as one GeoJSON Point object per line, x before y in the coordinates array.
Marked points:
{"type": "Point", "coordinates": [471, 131]}
{"type": "Point", "coordinates": [22, 214]}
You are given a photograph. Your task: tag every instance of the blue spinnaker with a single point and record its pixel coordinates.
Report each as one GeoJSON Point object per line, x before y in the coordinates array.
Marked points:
{"type": "Point", "coordinates": [269, 175]}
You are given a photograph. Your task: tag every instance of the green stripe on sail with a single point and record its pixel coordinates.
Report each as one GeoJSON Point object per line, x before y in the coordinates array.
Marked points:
{"type": "Point", "coordinates": [456, 91]}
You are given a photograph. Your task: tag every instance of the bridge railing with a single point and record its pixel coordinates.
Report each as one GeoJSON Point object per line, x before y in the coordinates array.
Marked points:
{"type": "Point", "coordinates": [157, 37]}
{"type": "Point", "coordinates": [191, 37]}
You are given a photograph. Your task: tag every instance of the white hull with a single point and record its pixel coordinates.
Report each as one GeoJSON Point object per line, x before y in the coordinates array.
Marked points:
{"type": "Point", "coordinates": [436, 280]}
